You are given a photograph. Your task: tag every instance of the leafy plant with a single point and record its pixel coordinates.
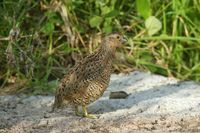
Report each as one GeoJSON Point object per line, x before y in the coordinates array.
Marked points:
{"type": "Point", "coordinates": [163, 37]}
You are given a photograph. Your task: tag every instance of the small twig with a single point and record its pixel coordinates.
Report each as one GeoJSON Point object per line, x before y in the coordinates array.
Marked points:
{"type": "Point", "coordinates": [5, 39]}
{"type": "Point", "coordinates": [8, 38]}
{"type": "Point", "coordinates": [180, 38]}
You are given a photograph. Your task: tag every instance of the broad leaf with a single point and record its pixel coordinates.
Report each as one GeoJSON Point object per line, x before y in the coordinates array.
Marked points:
{"type": "Point", "coordinates": [95, 21]}
{"type": "Point", "coordinates": [143, 8]}
{"type": "Point", "coordinates": [48, 28]}
{"type": "Point", "coordinates": [153, 25]}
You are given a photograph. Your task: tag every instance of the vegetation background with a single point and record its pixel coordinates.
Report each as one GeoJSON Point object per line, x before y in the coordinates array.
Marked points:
{"type": "Point", "coordinates": [40, 40]}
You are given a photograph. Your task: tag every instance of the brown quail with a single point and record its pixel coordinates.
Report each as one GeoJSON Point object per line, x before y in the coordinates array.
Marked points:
{"type": "Point", "coordinates": [89, 78]}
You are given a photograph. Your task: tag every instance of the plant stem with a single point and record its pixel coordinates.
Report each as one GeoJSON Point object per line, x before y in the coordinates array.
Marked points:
{"type": "Point", "coordinates": [181, 38]}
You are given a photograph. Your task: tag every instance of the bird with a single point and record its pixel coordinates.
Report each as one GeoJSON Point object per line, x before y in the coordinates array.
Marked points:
{"type": "Point", "coordinates": [89, 78]}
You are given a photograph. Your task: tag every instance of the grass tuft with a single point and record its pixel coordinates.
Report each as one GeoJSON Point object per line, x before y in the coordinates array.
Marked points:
{"type": "Point", "coordinates": [40, 40]}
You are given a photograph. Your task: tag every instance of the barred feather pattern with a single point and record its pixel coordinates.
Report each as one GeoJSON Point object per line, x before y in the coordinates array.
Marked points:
{"type": "Point", "coordinates": [88, 79]}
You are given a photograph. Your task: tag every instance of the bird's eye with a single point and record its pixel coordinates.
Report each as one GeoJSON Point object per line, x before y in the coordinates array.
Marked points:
{"type": "Point", "coordinates": [118, 37]}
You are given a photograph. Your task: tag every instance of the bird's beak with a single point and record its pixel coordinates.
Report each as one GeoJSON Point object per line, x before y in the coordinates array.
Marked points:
{"type": "Point", "coordinates": [123, 40]}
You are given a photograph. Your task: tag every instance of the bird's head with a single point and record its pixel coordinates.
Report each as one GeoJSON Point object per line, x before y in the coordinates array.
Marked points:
{"type": "Point", "coordinates": [113, 41]}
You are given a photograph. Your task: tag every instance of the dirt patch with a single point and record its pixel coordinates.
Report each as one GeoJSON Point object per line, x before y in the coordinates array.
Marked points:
{"type": "Point", "coordinates": [155, 103]}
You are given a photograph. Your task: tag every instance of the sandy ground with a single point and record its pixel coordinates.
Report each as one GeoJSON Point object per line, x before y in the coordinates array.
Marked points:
{"type": "Point", "coordinates": [155, 103]}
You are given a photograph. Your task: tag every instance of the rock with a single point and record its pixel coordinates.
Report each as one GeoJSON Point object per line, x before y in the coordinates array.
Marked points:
{"type": "Point", "coordinates": [118, 95]}
{"type": "Point", "coordinates": [42, 123]}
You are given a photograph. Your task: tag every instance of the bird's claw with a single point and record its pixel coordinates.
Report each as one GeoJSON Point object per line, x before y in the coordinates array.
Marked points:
{"type": "Point", "coordinates": [91, 116]}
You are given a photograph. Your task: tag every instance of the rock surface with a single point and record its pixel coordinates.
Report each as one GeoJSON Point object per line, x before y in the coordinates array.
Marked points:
{"type": "Point", "coordinates": [154, 103]}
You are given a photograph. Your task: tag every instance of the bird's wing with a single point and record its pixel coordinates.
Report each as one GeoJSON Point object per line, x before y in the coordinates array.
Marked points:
{"type": "Point", "coordinates": [81, 75]}
{"type": "Point", "coordinates": [67, 83]}
{"type": "Point", "coordinates": [91, 68]}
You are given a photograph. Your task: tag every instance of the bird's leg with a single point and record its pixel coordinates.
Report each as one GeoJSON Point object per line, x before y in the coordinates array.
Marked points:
{"type": "Point", "coordinates": [77, 111]}
{"type": "Point", "coordinates": [85, 113]}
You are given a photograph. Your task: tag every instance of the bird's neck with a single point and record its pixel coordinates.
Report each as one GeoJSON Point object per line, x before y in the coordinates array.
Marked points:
{"type": "Point", "coordinates": [107, 53]}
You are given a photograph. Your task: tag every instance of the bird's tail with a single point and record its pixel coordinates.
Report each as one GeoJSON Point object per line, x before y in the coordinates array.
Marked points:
{"type": "Point", "coordinates": [57, 103]}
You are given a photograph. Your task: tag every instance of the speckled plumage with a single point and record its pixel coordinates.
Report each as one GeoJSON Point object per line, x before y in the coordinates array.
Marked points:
{"type": "Point", "coordinates": [88, 79]}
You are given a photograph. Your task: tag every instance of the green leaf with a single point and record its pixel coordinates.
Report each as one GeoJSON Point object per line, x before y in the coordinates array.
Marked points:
{"type": "Point", "coordinates": [53, 17]}
{"type": "Point", "coordinates": [95, 21]}
{"type": "Point", "coordinates": [153, 25]}
{"type": "Point", "coordinates": [146, 56]}
{"type": "Point", "coordinates": [50, 14]}
{"type": "Point", "coordinates": [48, 28]}
{"type": "Point", "coordinates": [107, 29]}
{"type": "Point", "coordinates": [143, 8]}
{"type": "Point", "coordinates": [107, 25]}
{"type": "Point", "coordinates": [154, 67]}
{"type": "Point", "coordinates": [64, 48]}
{"type": "Point", "coordinates": [112, 13]}
{"type": "Point", "coordinates": [80, 28]}
{"type": "Point", "coordinates": [105, 10]}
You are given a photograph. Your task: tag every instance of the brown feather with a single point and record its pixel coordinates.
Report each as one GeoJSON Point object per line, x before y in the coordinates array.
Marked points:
{"type": "Point", "coordinates": [88, 79]}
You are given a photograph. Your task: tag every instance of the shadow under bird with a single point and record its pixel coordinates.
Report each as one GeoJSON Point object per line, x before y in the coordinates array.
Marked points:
{"type": "Point", "coordinates": [88, 79]}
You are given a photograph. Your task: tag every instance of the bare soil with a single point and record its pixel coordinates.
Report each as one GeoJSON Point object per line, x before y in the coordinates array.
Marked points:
{"type": "Point", "coordinates": [154, 103]}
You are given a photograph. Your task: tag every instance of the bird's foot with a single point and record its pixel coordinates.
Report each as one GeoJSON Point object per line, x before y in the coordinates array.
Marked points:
{"type": "Point", "coordinates": [85, 113]}
{"type": "Point", "coordinates": [91, 116]}
{"type": "Point", "coordinates": [78, 114]}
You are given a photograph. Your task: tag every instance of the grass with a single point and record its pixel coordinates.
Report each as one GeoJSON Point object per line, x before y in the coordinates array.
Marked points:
{"type": "Point", "coordinates": [48, 37]}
